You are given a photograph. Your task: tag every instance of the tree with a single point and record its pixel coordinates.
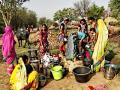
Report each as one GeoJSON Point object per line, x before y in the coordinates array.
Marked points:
{"type": "Point", "coordinates": [115, 8]}
{"type": "Point", "coordinates": [1, 24]}
{"type": "Point", "coordinates": [32, 18]}
{"type": "Point", "coordinates": [8, 9]}
{"type": "Point", "coordinates": [46, 21]}
{"type": "Point", "coordinates": [66, 12]}
{"type": "Point", "coordinates": [95, 11]}
{"type": "Point", "coordinates": [82, 7]}
{"type": "Point", "coordinates": [23, 18]}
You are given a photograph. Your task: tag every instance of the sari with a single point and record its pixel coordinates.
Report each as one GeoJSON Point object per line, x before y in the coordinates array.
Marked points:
{"type": "Point", "coordinates": [19, 79]}
{"type": "Point", "coordinates": [99, 49]}
{"type": "Point", "coordinates": [8, 48]}
{"type": "Point", "coordinates": [43, 42]}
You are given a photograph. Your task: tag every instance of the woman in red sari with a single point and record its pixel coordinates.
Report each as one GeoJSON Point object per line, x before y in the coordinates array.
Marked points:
{"type": "Point", "coordinates": [43, 40]}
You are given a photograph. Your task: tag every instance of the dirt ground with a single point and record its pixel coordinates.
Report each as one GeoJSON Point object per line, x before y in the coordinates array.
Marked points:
{"type": "Point", "coordinates": [69, 82]}
{"type": "Point", "coordinates": [4, 78]}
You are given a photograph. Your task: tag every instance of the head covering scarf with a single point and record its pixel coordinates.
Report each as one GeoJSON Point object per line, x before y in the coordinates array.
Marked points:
{"type": "Point", "coordinates": [8, 47]}
{"type": "Point", "coordinates": [99, 49]}
{"type": "Point", "coordinates": [19, 79]}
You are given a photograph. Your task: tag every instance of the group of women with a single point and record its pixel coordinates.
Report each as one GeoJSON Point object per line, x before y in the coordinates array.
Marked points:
{"type": "Point", "coordinates": [91, 38]}
{"type": "Point", "coordinates": [22, 75]}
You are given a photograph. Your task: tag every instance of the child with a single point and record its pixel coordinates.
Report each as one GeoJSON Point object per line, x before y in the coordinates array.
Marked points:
{"type": "Point", "coordinates": [92, 39]}
{"type": "Point", "coordinates": [62, 39]}
{"type": "Point", "coordinates": [81, 36]}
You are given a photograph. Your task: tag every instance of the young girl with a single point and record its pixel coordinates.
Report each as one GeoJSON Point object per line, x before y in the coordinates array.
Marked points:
{"type": "Point", "coordinates": [62, 39]}
{"type": "Point", "coordinates": [81, 36]}
{"type": "Point", "coordinates": [83, 25]}
{"type": "Point", "coordinates": [92, 39]}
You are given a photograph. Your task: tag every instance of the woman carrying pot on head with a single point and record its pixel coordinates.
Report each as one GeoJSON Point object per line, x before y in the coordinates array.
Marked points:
{"type": "Point", "coordinates": [8, 48]}
{"type": "Point", "coordinates": [44, 40]}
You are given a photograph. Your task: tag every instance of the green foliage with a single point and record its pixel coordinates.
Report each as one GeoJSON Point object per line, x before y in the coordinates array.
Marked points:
{"type": "Point", "coordinates": [46, 21]}
{"type": "Point", "coordinates": [115, 8]}
{"type": "Point", "coordinates": [23, 18]}
{"type": "Point", "coordinates": [66, 12]}
{"type": "Point", "coordinates": [95, 11]}
{"type": "Point", "coordinates": [8, 9]}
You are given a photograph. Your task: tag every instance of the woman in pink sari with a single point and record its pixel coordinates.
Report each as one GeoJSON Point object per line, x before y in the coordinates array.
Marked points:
{"type": "Point", "coordinates": [8, 48]}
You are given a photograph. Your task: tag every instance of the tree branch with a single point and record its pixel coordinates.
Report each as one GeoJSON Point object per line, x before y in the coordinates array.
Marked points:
{"type": "Point", "coordinates": [4, 18]}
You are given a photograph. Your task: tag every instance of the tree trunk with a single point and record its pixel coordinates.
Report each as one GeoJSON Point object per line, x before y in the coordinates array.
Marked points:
{"type": "Point", "coordinates": [4, 18]}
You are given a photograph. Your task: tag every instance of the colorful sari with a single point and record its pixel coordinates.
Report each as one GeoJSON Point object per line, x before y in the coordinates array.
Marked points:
{"type": "Point", "coordinates": [43, 42]}
{"type": "Point", "coordinates": [8, 48]}
{"type": "Point", "coordinates": [99, 49]}
{"type": "Point", "coordinates": [19, 79]}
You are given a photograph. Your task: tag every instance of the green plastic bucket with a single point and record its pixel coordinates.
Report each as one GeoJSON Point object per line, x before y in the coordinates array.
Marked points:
{"type": "Point", "coordinates": [57, 72]}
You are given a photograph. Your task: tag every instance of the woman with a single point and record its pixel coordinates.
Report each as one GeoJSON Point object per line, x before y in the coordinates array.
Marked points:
{"type": "Point", "coordinates": [43, 40]}
{"type": "Point", "coordinates": [24, 77]}
{"type": "Point", "coordinates": [99, 49]}
{"type": "Point", "coordinates": [8, 48]}
{"type": "Point", "coordinates": [62, 37]}
{"type": "Point", "coordinates": [83, 25]}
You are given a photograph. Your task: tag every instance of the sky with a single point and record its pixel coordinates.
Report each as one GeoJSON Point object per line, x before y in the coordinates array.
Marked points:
{"type": "Point", "coordinates": [47, 8]}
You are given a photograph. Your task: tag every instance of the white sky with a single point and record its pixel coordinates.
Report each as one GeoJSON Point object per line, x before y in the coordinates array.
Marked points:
{"type": "Point", "coordinates": [47, 8]}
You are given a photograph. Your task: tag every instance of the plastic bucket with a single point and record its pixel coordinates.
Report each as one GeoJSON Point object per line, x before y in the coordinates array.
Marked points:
{"type": "Point", "coordinates": [82, 74]}
{"type": "Point", "coordinates": [57, 72]}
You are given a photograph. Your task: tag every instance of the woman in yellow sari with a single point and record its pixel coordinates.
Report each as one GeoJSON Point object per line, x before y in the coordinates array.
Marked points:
{"type": "Point", "coordinates": [24, 77]}
{"type": "Point", "coordinates": [99, 49]}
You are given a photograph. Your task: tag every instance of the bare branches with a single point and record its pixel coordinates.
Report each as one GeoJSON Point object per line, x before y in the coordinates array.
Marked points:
{"type": "Point", "coordinates": [8, 8]}
{"type": "Point", "coordinates": [82, 6]}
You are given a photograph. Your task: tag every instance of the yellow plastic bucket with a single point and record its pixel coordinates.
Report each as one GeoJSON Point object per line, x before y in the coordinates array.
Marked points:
{"type": "Point", "coordinates": [57, 72]}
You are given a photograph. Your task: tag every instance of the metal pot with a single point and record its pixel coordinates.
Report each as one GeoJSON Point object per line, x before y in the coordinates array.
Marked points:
{"type": "Point", "coordinates": [110, 72]}
{"type": "Point", "coordinates": [82, 74]}
{"type": "Point", "coordinates": [35, 64]}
